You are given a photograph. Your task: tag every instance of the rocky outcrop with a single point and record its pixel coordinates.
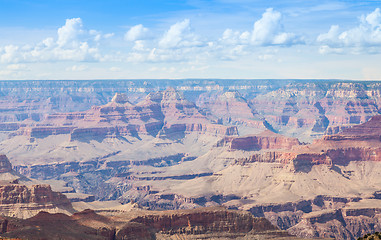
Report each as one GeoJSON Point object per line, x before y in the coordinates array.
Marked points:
{"type": "Point", "coordinates": [20, 198]}
{"type": "Point", "coordinates": [265, 140]}
{"type": "Point", "coordinates": [39, 194]}
{"type": "Point", "coordinates": [25, 201]}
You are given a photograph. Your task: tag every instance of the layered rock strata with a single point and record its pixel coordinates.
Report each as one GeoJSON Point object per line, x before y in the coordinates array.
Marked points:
{"type": "Point", "coordinates": [209, 223]}
{"type": "Point", "coordinates": [19, 200]}
{"type": "Point", "coordinates": [161, 114]}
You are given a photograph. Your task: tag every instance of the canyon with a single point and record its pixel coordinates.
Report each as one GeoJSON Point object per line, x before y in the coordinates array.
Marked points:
{"type": "Point", "coordinates": [305, 155]}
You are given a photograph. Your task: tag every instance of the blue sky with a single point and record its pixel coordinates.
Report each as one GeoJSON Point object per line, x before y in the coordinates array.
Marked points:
{"type": "Point", "coordinates": [128, 39]}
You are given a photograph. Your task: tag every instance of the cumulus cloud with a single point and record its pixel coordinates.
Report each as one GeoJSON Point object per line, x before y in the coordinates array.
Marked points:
{"type": "Point", "coordinates": [70, 32]}
{"type": "Point", "coordinates": [179, 35]}
{"type": "Point", "coordinates": [178, 43]}
{"type": "Point", "coordinates": [269, 31]}
{"type": "Point", "coordinates": [9, 54]}
{"type": "Point", "coordinates": [366, 37]}
{"type": "Point", "coordinates": [230, 37]}
{"type": "Point", "coordinates": [138, 32]}
{"type": "Point", "coordinates": [72, 43]}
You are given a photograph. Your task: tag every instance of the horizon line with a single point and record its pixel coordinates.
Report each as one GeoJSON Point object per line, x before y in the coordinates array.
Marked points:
{"type": "Point", "coordinates": [185, 79]}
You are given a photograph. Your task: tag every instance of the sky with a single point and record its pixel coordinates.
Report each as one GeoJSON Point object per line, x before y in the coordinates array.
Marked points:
{"type": "Point", "coordinates": [168, 39]}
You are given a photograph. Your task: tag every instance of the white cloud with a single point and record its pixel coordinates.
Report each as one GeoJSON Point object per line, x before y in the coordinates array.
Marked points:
{"type": "Point", "coordinates": [69, 33]}
{"type": "Point", "coordinates": [10, 54]}
{"type": "Point", "coordinates": [179, 35]}
{"type": "Point", "coordinates": [366, 37]}
{"type": "Point", "coordinates": [179, 43]}
{"type": "Point", "coordinates": [374, 19]}
{"type": "Point", "coordinates": [73, 43]}
{"type": "Point", "coordinates": [330, 36]}
{"type": "Point", "coordinates": [269, 31]}
{"type": "Point", "coordinates": [230, 37]}
{"type": "Point", "coordinates": [139, 46]}
{"type": "Point", "coordinates": [138, 32]}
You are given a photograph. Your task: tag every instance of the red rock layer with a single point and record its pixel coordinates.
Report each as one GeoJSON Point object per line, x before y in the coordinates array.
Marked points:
{"type": "Point", "coordinates": [264, 140]}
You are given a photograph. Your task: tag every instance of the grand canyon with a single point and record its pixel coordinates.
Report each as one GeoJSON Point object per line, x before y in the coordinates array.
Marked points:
{"type": "Point", "coordinates": [190, 159]}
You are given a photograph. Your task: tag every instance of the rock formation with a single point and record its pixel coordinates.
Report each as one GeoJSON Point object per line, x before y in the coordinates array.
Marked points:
{"type": "Point", "coordinates": [20, 200]}
{"type": "Point", "coordinates": [230, 108]}
{"type": "Point", "coordinates": [5, 165]}
{"type": "Point", "coordinates": [200, 143]}
{"type": "Point", "coordinates": [264, 140]}
{"type": "Point", "coordinates": [163, 114]}
{"type": "Point", "coordinates": [208, 223]}
{"type": "Point", "coordinates": [303, 109]}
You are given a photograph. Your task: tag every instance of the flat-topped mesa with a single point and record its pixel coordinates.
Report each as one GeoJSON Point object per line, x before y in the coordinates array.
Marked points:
{"type": "Point", "coordinates": [265, 140]}
{"type": "Point", "coordinates": [5, 165]}
{"type": "Point", "coordinates": [168, 95]}
{"type": "Point", "coordinates": [200, 221]}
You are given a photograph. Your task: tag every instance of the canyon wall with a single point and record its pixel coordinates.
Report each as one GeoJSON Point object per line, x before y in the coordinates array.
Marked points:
{"type": "Point", "coordinates": [303, 109]}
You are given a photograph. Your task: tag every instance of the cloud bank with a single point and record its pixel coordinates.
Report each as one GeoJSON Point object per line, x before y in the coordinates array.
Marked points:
{"type": "Point", "coordinates": [364, 38]}
{"type": "Point", "coordinates": [72, 47]}
{"type": "Point", "coordinates": [72, 43]}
